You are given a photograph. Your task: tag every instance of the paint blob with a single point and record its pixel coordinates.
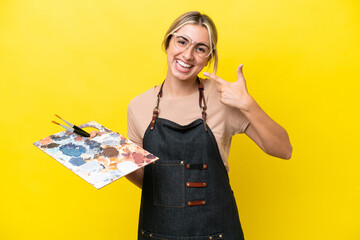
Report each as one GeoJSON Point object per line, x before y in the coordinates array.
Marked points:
{"type": "Point", "coordinates": [123, 141]}
{"type": "Point", "coordinates": [150, 156]}
{"type": "Point", "coordinates": [92, 144]}
{"type": "Point", "coordinates": [110, 152]}
{"type": "Point", "coordinates": [77, 161]}
{"type": "Point", "coordinates": [73, 150]}
{"type": "Point", "coordinates": [138, 157]}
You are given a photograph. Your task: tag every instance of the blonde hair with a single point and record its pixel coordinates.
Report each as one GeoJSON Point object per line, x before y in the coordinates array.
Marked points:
{"type": "Point", "coordinates": [195, 17]}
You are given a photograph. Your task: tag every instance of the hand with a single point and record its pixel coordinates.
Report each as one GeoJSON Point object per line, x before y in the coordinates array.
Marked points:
{"type": "Point", "coordinates": [233, 94]}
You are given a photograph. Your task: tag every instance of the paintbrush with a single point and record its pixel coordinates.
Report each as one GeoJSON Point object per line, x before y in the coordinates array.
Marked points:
{"type": "Point", "coordinates": [81, 133]}
{"type": "Point", "coordinates": [73, 128]}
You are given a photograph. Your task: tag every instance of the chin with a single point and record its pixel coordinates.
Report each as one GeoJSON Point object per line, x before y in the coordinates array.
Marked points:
{"type": "Point", "coordinates": [184, 77]}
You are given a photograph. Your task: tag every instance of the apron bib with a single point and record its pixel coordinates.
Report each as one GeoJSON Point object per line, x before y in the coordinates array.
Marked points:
{"type": "Point", "coordinates": [186, 194]}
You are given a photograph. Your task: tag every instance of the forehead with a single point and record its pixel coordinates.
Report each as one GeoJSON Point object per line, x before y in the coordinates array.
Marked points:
{"type": "Point", "coordinates": [196, 32]}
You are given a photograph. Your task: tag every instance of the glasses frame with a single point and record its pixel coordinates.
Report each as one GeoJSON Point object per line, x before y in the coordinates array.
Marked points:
{"type": "Point", "coordinates": [191, 43]}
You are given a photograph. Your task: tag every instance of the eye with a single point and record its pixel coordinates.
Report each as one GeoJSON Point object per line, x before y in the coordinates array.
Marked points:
{"type": "Point", "coordinates": [181, 42]}
{"type": "Point", "coordinates": [201, 49]}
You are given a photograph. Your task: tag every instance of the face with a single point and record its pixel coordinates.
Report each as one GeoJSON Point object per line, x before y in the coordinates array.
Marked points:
{"type": "Point", "coordinates": [186, 65]}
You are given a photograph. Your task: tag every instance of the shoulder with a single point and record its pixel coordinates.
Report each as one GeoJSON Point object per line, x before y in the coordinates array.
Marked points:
{"type": "Point", "coordinates": [140, 107]}
{"type": "Point", "coordinates": [139, 115]}
{"type": "Point", "coordinates": [143, 99]}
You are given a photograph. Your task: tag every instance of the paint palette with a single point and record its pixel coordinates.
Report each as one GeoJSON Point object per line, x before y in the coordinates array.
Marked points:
{"type": "Point", "coordinates": [100, 160]}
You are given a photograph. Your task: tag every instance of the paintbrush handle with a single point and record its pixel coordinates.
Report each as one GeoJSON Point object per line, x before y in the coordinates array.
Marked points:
{"type": "Point", "coordinates": [81, 133]}
{"type": "Point", "coordinates": [79, 129]}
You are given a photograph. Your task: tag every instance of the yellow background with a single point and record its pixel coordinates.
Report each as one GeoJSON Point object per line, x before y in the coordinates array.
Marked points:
{"type": "Point", "coordinates": [85, 60]}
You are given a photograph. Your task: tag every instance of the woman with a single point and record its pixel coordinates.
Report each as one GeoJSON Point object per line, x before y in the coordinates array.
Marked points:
{"type": "Point", "coordinates": [188, 123]}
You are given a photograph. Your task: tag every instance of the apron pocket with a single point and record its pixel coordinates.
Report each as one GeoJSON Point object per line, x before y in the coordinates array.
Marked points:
{"type": "Point", "coordinates": [169, 183]}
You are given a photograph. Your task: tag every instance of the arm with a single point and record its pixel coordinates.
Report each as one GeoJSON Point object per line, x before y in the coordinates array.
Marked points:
{"type": "Point", "coordinates": [265, 132]}
{"type": "Point", "coordinates": [136, 177]}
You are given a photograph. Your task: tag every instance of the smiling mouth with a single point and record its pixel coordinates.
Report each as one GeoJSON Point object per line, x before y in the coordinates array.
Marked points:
{"type": "Point", "coordinates": [183, 65]}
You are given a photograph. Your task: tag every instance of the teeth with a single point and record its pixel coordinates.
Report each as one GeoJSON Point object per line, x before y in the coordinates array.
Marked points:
{"type": "Point", "coordinates": [183, 64]}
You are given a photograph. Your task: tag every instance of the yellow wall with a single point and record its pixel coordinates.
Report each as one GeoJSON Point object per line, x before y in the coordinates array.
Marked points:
{"type": "Point", "coordinates": [85, 60]}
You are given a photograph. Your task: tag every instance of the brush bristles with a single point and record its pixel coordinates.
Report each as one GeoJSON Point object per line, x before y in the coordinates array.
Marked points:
{"type": "Point", "coordinates": [58, 116]}
{"type": "Point", "coordinates": [55, 122]}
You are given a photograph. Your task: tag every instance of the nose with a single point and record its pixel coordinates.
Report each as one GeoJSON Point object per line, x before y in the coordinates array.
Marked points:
{"type": "Point", "coordinates": [189, 52]}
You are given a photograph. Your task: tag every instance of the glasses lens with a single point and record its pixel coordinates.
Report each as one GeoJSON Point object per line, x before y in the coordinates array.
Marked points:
{"type": "Point", "coordinates": [183, 42]}
{"type": "Point", "coordinates": [202, 50]}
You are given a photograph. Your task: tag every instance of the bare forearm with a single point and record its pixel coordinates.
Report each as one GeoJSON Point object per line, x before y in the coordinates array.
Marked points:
{"type": "Point", "coordinates": [265, 132]}
{"type": "Point", "coordinates": [274, 138]}
{"type": "Point", "coordinates": [136, 177]}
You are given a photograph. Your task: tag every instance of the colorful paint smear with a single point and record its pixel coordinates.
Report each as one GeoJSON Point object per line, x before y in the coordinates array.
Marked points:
{"type": "Point", "coordinates": [99, 160]}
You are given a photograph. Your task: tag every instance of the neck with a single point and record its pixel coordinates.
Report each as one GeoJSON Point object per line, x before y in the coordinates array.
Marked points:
{"type": "Point", "coordinates": [179, 88]}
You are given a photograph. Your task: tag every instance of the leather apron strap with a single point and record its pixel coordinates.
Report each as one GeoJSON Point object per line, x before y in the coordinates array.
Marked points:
{"type": "Point", "coordinates": [202, 104]}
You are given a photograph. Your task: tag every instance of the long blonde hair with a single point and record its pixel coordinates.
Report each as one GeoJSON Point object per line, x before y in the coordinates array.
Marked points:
{"type": "Point", "coordinates": [195, 17]}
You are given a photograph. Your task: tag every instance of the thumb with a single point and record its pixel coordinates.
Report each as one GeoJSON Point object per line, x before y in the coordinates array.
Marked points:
{"type": "Point", "coordinates": [93, 134]}
{"type": "Point", "coordinates": [239, 72]}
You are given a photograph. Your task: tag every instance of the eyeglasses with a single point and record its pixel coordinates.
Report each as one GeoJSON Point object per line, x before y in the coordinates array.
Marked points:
{"type": "Point", "coordinates": [183, 42]}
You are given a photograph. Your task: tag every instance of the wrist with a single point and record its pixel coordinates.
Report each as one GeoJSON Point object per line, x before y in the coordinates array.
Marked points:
{"type": "Point", "coordinates": [248, 104]}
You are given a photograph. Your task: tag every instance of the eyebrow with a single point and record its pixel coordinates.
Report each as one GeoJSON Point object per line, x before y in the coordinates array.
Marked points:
{"type": "Point", "coordinates": [203, 44]}
{"type": "Point", "coordinates": [183, 37]}
{"type": "Point", "coordinates": [200, 43]}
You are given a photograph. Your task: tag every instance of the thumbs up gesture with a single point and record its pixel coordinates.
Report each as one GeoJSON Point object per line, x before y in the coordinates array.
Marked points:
{"type": "Point", "coordinates": [233, 94]}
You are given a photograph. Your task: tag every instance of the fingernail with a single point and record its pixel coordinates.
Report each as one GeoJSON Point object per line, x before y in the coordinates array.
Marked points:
{"type": "Point", "coordinates": [206, 74]}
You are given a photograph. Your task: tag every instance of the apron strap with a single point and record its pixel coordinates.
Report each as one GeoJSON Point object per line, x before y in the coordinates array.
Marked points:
{"type": "Point", "coordinates": [201, 103]}
{"type": "Point", "coordinates": [156, 108]}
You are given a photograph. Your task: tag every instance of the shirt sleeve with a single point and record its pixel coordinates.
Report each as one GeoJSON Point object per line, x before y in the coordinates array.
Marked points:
{"type": "Point", "coordinates": [236, 120]}
{"type": "Point", "coordinates": [132, 129]}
